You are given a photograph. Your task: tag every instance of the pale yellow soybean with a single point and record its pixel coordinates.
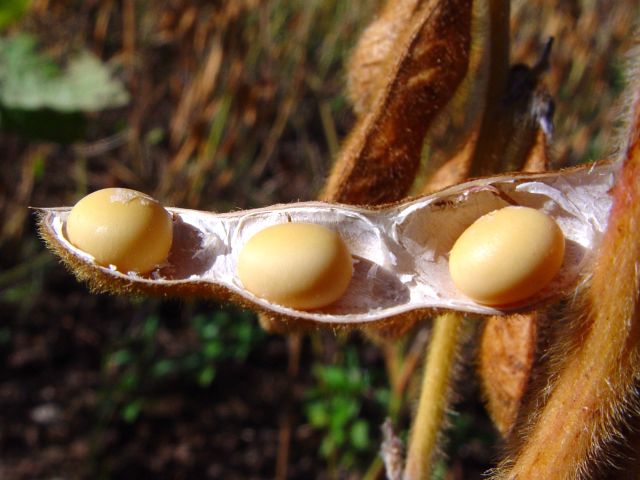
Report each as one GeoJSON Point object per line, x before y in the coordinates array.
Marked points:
{"type": "Point", "coordinates": [121, 227]}
{"type": "Point", "coordinates": [297, 265]}
{"type": "Point", "coordinates": [507, 255]}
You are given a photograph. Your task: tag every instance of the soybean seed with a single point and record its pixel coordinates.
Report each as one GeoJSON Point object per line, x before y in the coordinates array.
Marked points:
{"type": "Point", "coordinates": [121, 227]}
{"type": "Point", "coordinates": [507, 255]}
{"type": "Point", "coordinates": [297, 265]}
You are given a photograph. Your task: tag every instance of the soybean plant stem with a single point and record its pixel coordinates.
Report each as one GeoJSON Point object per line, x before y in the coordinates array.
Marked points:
{"type": "Point", "coordinates": [434, 395]}
{"type": "Point", "coordinates": [488, 154]}
{"type": "Point", "coordinates": [294, 345]}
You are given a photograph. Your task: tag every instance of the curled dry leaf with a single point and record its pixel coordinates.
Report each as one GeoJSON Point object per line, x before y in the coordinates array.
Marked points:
{"type": "Point", "coordinates": [369, 64]}
{"type": "Point", "coordinates": [381, 157]}
{"type": "Point", "coordinates": [452, 137]}
{"type": "Point", "coordinates": [399, 251]}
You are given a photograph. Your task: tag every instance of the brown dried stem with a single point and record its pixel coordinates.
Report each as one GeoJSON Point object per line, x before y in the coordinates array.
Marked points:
{"type": "Point", "coordinates": [498, 79]}
{"type": "Point", "coordinates": [451, 139]}
{"type": "Point", "coordinates": [516, 112]}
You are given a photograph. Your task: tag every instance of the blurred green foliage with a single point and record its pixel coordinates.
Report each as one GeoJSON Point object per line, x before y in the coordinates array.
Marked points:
{"type": "Point", "coordinates": [139, 366]}
{"type": "Point", "coordinates": [5, 336]}
{"type": "Point", "coordinates": [39, 99]}
{"type": "Point", "coordinates": [334, 407]}
{"type": "Point", "coordinates": [32, 81]}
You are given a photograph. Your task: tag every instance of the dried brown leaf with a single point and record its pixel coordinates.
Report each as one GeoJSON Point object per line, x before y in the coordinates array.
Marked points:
{"type": "Point", "coordinates": [380, 159]}
{"type": "Point", "coordinates": [505, 358]}
{"type": "Point", "coordinates": [370, 63]}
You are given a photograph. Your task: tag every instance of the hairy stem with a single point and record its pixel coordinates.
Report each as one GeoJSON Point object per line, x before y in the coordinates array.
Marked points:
{"type": "Point", "coordinates": [434, 395]}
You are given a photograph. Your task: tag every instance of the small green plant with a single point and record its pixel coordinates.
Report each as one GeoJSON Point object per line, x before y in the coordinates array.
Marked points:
{"type": "Point", "coordinates": [226, 335]}
{"type": "Point", "coordinates": [140, 366]}
{"type": "Point", "coordinates": [334, 407]}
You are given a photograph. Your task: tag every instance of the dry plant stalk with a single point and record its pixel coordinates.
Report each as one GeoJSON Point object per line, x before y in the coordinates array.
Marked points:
{"type": "Point", "coordinates": [593, 390]}
{"type": "Point", "coordinates": [451, 141]}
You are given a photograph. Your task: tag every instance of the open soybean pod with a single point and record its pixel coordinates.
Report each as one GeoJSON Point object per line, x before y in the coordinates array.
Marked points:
{"type": "Point", "coordinates": [400, 251]}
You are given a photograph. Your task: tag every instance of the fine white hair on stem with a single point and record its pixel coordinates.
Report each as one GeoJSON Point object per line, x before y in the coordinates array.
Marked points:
{"type": "Point", "coordinates": [392, 451]}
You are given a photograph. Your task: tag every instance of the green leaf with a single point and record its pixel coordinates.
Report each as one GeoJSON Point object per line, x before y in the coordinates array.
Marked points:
{"type": "Point", "coordinates": [317, 414]}
{"type": "Point", "coordinates": [209, 331]}
{"type": "Point", "coordinates": [360, 434]}
{"type": "Point", "coordinates": [11, 11]}
{"type": "Point", "coordinates": [120, 358]}
{"type": "Point", "coordinates": [163, 367]}
{"type": "Point", "coordinates": [334, 377]}
{"type": "Point", "coordinates": [131, 411]}
{"type": "Point", "coordinates": [212, 350]}
{"type": "Point", "coordinates": [150, 327]}
{"type": "Point", "coordinates": [129, 381]}
{"type": "Point", "coordinates": [338, 436]}
{"type": "Point", "coordinates": [206, 376]}
{"type": "Point", "coordinates": [327, 446]}
{"type": "Point", "coordinates": [343, 410]}
{"type": "Point", "coordinates": [31, 81]}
